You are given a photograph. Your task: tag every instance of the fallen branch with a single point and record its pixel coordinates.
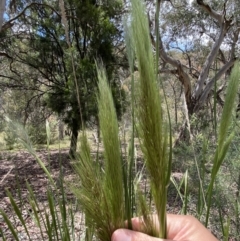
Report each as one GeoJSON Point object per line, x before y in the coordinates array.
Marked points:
{"type": "Point", "coordinates": [6, 175]}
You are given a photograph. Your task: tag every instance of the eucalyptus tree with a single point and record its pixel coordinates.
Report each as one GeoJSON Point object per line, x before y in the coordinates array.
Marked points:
{"type": "Point", "coordinates": [206, 35]}
{"type": "Point", "coordinates": [59, 45]}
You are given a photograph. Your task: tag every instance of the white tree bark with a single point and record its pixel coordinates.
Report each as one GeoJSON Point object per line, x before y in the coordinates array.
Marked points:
{"type": "Point", "coordinates": [183, 76]}
{"type": "Point", "coordinates": [2, 10]}
{"type": "Point", "coordinates": [210, 58]}
{"type": "Point", "coordinates": [200, 93]}
{"type": "Point", "coordinates": [217, 16]}
{"type": "Point", "coordinates": [210, 84]}
{"type": "Point", "coordinates": [224, 27]}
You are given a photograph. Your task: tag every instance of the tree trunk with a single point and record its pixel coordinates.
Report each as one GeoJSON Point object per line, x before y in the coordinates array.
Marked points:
{"type": "Point", "coordinates": [74, 137]}
{"type": "Point", "coordinates": [2, 10]}
{"type": "Point", "coordinates": [60, 129]}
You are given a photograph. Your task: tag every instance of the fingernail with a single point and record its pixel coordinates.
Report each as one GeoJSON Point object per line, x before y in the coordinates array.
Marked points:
{"type": "Point", "coordinates": [121, 235]}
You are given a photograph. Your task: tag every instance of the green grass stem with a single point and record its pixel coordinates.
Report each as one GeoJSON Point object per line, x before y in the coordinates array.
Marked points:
{"type": "Point", "coordinates": [10, 226]}
{"type": "Point", "coordinates": [104, 186]}
{"type": "Point", "coordinates": [152, 129]}
{"type": "Point", "coordinates": [18, 212]}
{"type": "Point", "coordinates": [223, 139]}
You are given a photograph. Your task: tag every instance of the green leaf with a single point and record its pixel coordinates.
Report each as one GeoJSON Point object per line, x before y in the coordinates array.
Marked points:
{"type": "Point", "coordinates": [18, 212]}
{"type": "Point", "coordinates": [9, 224]}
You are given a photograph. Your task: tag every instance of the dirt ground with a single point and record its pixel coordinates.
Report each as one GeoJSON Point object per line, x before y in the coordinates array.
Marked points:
{"type": "Point", "coordinates": [21, 167]}
{"type": "Point", "coordinates": [18, 168]}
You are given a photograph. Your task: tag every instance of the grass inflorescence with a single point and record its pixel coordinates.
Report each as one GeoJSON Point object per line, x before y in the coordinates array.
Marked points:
{"type": "Point", "coordinates": [111, 189]}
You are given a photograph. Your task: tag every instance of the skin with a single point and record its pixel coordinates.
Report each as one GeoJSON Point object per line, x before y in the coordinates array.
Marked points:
{"type": "Point", "coordinates": [179, 228]}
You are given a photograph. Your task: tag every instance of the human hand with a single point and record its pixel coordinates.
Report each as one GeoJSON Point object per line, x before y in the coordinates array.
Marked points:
{"type": "Point", "coordinates": [179, 228]}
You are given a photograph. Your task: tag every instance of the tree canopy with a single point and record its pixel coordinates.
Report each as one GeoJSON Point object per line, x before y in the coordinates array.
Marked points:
{"type": "Point", "coordinates": [206, 34]}
{"type": "Point", "coordinates": [52, 48]}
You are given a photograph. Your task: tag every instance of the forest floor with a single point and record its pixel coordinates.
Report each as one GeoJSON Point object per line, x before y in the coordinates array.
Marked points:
{"type": "Point", "coordinates": [19, 167]}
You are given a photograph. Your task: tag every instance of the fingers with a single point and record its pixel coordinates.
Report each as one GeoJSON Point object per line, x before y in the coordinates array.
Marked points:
{"type": "Point", "coordinates": [175, 223]}
{"type": "Point", "coordinates": [129, 235]}
{"type": "Point", "coordinates": [179, 227]}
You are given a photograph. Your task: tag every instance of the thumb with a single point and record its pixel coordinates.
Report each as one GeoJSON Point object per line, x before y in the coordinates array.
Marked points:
{"type": "Point", "coordinates": [129, 235]}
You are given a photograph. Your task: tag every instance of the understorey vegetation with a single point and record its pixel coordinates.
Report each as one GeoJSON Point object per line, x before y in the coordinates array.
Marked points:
{"type": "Point", "coordinates": [150, 117]}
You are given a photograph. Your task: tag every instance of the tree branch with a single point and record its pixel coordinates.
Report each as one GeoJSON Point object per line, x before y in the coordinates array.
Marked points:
{"type": "Point", "coordinates": [222, 57]}
{"type": "Point", "coordinates": [210, 58]}
{"type": "Point", "coordinates": [210, 84]}
{"type": "Point", "coordinates": [5, 55]}
{"type": "Point", "coordinates": [215, 15]}
{"type": "Point", "coordinates": [9, 23]}
{"type": "Point", "coordinates": [182, 75]}
{"type": "Point", "coordinates": [168, 71]}
{"type": "Point", "coordinates": [235, 39]}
